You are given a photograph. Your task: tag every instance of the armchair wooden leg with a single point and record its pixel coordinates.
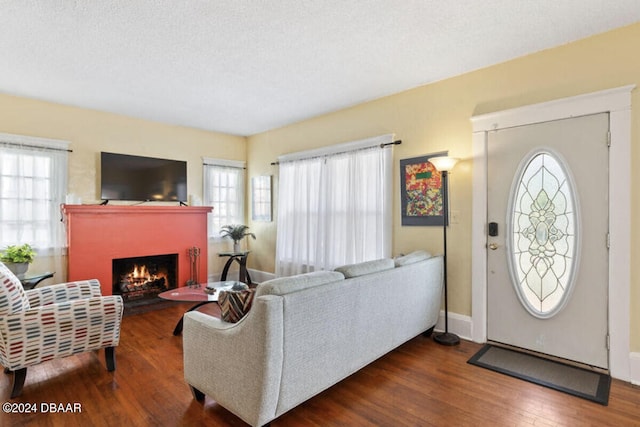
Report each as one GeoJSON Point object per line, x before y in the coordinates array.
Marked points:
{"type": "Point", "coordinates": [18, 382]}
{"type": "Point", "coordinates": [197, 394]}
{"type": "Point", "coordinates": [110, 357]}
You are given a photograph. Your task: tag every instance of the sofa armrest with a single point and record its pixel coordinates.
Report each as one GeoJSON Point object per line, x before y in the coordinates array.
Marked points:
{"type": "Point", "coordinates": [64, 292]}
{"type": "Point", "coordinates": [59, 330]}
{"type": "Point", "coordinates": [239, 364]}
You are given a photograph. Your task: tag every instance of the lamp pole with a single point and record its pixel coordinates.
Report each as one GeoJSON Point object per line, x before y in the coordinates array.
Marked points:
{"type": "Point", "coordinates": [444, 164]}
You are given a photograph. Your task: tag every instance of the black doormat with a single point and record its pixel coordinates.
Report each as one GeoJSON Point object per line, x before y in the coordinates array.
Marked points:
{"type": "Point", "coordinates": [576, 381]}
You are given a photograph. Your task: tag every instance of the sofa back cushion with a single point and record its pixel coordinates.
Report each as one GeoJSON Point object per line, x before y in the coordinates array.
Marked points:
{"type": "Point", "coordinates": [13, 299]}
{"type": "Point", "coordinates": [412, 258]}
{"type": "Point", "coordinates": [367, 267]}
{"type": "Point", "coordinates": [285, 285]}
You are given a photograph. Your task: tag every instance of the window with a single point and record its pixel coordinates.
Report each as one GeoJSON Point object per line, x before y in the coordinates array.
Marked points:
{"type": "Point", "coordinates": [335, 208]}
{"type": "Point", "coordinates": [33, 185]}
{"type": "Point", "coordinates": [224, 190]}
{"type": "Point", "coordinates": [543, 230]}
{"type": "Point", "coordinates": [261, 198]}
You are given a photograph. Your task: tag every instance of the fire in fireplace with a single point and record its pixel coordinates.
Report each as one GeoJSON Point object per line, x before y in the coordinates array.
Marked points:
{"type": "Point", "coordinates": [144, 277]}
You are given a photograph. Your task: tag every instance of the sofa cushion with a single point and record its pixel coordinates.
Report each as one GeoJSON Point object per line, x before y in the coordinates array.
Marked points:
{"type": "Point", "coordinates": [285, 285]}
{"type": "Point", "coordinates": [234, 305]}
{"type": "Point", "coordinates": [13, 299]}
{"type": "Point", "coordinates": [367, 267]}
{"type": "Point", "coordinates": [411, 258]}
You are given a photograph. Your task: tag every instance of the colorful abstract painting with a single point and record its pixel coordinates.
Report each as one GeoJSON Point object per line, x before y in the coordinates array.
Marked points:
{"type": "Point", "coordinates": [422, 202]}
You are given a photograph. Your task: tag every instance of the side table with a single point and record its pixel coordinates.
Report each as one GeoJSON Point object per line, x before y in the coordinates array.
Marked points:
{"type": "Point", "coordinates": [31, 280]}
{"type": "Point", "coordinates": [195, 294]}
{"type": "Point", "coordinates": [241, 259]}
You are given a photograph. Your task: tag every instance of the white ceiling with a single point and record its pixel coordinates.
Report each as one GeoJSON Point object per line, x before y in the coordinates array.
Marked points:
{"type": "Point", "coordinates": [243, 67]}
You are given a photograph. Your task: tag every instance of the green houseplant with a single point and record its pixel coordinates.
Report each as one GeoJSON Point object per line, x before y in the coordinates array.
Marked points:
{"type": "Point", "coordinates": [18, 257]}
{"type": "Point", "coordinates": [236, 232]}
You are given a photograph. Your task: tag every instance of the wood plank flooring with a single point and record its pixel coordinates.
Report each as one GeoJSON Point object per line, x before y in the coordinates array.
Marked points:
{"type": "Point", "coordinates": [419, 384]}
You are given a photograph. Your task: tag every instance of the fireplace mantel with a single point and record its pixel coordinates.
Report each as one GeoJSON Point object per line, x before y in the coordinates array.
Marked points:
{"type": "Point", "coordinates": [97, 234]}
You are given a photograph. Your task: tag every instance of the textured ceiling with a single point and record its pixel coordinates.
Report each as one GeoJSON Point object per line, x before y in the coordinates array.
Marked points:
{"type": "Point", "coordinates": [243, 67]}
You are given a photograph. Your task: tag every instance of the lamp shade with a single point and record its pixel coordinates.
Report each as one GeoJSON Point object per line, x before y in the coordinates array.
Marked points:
{"type": "Point", "coordinates": [443, 163]}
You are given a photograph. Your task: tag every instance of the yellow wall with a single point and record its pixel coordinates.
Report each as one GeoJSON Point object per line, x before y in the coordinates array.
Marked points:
{"type": "Point", "coordinates": [427, 119]}
{"type": "Point", "coordinates": [91, 132]}
{"type": "Point", "coordinates": [436, 117]}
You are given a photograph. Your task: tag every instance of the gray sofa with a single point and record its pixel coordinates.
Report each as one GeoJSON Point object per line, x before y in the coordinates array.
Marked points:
{"type": "Point", "coordinates": [305, 333]}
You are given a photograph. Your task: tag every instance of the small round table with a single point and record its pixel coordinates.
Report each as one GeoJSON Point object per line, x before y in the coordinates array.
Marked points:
{"type": "Point", "coordinates": [196, 294]}
{"type": "Point", "coordinates": [241, 259]}
{"type": "Point", "coordinates": [31, 280]}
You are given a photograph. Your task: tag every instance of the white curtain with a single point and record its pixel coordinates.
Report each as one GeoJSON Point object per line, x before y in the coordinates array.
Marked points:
{"type": "Point", "coordinates": [334, 210]}
{"type": "Point", "coordinates": [33, 185]}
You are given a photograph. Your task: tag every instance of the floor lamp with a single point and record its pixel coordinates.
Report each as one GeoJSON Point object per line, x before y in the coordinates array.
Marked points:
{"type": "Point", "coordinates": [444, 164]}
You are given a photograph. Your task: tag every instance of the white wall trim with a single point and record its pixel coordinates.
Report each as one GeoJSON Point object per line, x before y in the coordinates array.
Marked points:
{"type": "Point", "coordinates": [210, 161]}
{"type": "Point", "coordinates": [458, 324]}
{"type": "Point", "coordinates": [12, 138]}
{"type": "Point", "coordinates": [617, 102]}
{"type": "Point", "coordinates": [634, 361]}
{"type": "Point", "coordinates": [257, 276]}
{"type": "Point", "coordinates": [615, 99]}
{"type": "Point", "coordinates": [337, 148]}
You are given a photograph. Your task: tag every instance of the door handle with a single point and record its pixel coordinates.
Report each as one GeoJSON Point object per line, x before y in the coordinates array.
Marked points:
{"type": "Point", "coordinates": [493, 246]}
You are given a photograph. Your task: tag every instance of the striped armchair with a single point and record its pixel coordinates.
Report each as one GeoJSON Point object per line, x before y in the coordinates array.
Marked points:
{"type": "Point", "coordinates": [54, 322]}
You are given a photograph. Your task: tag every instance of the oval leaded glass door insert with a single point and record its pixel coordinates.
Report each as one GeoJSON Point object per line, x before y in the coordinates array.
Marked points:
{"type": "Point", "coordinates": [542, 234]}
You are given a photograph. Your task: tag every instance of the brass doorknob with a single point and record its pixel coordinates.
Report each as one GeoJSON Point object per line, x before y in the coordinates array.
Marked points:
{"type": "Point", "coordinates": [493, 246]}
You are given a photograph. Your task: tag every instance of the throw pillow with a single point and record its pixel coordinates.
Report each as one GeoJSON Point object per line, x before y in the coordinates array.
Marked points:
{"type": "Point", "coordinates": [234, 305]}
{"type": "Point", "coordinates": [13, 299]}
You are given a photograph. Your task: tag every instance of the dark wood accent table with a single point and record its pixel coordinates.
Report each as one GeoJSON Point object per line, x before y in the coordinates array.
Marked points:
{"type": "Point", "coordinates": [31, 280]}
{"type": "Point", "coordinates": [241, 259]}
{"type": "Point", "coordinates": [195, 294]}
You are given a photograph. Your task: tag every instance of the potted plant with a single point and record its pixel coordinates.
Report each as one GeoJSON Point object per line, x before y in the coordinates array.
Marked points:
{"type": "Point", "coordinates": [17, 258]}
{"type": "Point", "coordinates": [236, 232]}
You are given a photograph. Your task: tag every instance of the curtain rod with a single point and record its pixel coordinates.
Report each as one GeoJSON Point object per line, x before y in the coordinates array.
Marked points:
{"type": "Point", "coordinates": [42, 147]}
{"type": "Point", "coordinates": [224, 166]}
{"type": "Point", "coordinates": [397, 142]}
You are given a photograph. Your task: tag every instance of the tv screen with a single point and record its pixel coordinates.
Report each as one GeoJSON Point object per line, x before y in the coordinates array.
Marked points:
{"type": "Point", "coordinates": [126, 177]}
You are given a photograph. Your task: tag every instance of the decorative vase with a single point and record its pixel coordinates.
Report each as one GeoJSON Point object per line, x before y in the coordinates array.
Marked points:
{"type": "Point", "coordinates": [18, 268]}
{"type": "Point", "coordinates": [236, 246]}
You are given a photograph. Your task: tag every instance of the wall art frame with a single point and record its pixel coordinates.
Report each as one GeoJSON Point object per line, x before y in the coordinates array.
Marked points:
{"type": "Point", "coordinates": [422, 200]}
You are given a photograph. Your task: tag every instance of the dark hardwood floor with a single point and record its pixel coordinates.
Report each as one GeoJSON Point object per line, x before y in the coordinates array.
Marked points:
{"type": "Point", "coordinates": [419, 384]}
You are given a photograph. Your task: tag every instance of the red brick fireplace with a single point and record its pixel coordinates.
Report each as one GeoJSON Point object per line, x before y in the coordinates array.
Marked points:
{"type": "Point", "coordinates": [96, 235]}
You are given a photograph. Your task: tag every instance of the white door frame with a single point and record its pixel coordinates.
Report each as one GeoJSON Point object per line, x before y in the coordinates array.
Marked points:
{"type": "Point", "coordinates": [617, 102]}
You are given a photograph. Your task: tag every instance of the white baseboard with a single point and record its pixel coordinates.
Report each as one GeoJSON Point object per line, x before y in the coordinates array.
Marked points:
{"type": "Point", "coordinates": [634, 363]}
{"type": "Point", "coordinates": [458, 324]}
{"type": "Point", "coordinates": [215, 277]}
{"type": "Point", "coordinates": [257, 276]}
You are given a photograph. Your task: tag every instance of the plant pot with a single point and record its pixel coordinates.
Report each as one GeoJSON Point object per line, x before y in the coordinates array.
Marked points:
{"type": "Point", "coordinates": [236, 247]}
{"type": "Point", "coordinates": [18, 268]}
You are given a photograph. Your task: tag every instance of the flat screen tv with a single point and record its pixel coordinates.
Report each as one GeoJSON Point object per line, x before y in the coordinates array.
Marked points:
{"type": "Point", "coordinates": [126, 177]}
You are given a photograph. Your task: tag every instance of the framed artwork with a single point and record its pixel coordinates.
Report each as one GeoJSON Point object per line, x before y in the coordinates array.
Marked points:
{"type": "Point", "coordinates": [422, 200]}
{"type": "Point", "coordinates": [261, 198]}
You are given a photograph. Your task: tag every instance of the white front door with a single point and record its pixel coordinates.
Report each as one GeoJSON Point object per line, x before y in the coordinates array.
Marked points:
{"type": "Point", "coordinates": [547, 265]}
